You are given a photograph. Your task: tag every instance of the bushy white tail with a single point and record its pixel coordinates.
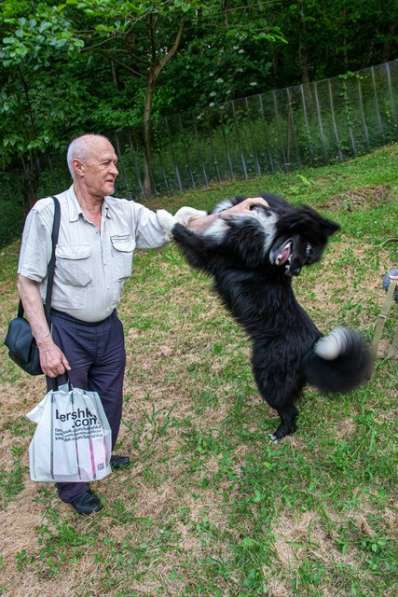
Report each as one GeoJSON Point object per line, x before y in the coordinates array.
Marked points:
{"type": "Point", "coordinates": [339, 362]}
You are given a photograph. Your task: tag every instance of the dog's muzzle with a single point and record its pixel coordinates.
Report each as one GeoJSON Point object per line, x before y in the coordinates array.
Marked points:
{"type": "Point", "coordinates": [286, 255]}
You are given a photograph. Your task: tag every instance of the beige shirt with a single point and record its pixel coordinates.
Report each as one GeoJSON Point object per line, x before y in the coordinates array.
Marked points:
{"type": "Point", "coordinates": [91, 265]}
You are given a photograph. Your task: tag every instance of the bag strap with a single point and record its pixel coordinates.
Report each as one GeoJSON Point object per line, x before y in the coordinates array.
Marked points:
{"type": "Point", "coordinates": [51, 263]}
{"type": "Point", "coordinates": [54, 382]}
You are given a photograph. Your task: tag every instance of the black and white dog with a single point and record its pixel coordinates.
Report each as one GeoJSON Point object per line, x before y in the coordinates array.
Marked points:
{"type": "Point", "coordinates": [252, 258]}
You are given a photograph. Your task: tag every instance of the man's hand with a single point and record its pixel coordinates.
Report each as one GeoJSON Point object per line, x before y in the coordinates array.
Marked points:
{"type": "Point", "coordinates": [243, 207]}
{"type": "Point", "coordinates": [52, 360]}
{"type": "Point", "coordinates": [199, 224]}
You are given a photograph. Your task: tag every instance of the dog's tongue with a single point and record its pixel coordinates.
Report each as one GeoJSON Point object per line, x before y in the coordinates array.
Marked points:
{"type": "Point", "coordinates": [283, 255]}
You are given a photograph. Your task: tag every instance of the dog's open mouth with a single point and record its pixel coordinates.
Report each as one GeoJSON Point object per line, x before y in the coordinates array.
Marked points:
{"type": "Point", "coordinates": [284, 254]}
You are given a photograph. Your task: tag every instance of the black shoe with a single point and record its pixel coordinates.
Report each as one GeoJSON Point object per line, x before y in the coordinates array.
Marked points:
{"type": "Point", "coordinates": [119, 461]}
{"type": "Point", "coordinates": [87, 503]}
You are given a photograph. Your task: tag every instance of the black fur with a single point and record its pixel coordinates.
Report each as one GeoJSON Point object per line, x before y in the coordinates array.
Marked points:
{"type": "Point", "coordinates": [252, 260]}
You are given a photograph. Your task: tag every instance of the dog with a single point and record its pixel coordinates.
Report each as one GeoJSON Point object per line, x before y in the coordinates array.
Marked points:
{"type": "Point", "coordinates": [252, 258]}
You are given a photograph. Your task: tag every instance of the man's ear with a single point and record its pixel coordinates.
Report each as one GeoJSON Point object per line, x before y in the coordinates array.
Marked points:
{"type": "Point", "coordinates": [78, 167]}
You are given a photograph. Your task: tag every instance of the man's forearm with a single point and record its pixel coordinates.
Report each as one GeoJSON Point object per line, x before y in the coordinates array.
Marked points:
{"type": "Point", "coordinates": [199, 223]}
{"type": "Point", "coordinates": [29, 293]}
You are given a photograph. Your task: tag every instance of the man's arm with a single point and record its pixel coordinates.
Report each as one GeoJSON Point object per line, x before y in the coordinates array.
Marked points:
{"type": "Point", "coordinates": [154, 229]}
{"type": "Point", "coordinates": [199, 223]}
{"type": "Point", "coordinates": [52, 360]}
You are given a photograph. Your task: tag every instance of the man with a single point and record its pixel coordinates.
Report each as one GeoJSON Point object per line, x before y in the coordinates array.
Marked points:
{"type": "Point", "coordinates": [97, 237]}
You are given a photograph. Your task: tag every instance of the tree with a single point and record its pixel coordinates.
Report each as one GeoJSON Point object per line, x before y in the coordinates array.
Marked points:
{"type": "Point", "coordinates": [30, 47]}
{"type": "Point", "coordinates": [140, 38]}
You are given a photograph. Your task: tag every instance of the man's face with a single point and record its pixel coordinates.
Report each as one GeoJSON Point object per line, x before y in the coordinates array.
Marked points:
{"type": "Point", "coordinates": [99, 170]}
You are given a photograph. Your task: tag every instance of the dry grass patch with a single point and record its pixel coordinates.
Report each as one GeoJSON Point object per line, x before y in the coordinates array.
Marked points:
{"type": "Point", "coordinates": [77, 580]}
{"type": "Point", "coordinates": [360, 198]}
{"type": "Point", "coordinates": [345, 428]}
{"type": "Point", "coordinates": [299, 537]}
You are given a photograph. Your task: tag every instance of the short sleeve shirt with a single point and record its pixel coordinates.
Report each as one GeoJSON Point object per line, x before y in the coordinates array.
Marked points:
{"type": "Point", "coordinates": [91, 265]}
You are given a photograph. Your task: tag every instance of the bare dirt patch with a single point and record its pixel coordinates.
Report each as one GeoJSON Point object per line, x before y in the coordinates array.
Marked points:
{"type": "Point", "coordinates": [298, 537]}
{"type": "Point", "coordinates": [361, 198]}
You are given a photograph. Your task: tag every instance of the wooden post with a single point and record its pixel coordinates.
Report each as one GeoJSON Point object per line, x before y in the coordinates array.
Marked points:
{"type": "Point", "coordinates": [178, 177]}
{"type": "Point", "coordinates": [377, 107]}
{"type": "Point", "coordinates": [347, 111]}
{"type": "Point", "coordinates": [335, 129]}
{"type": "Point", "coordinates": [390, 92]}
{"type": "Point", "coordinates": [381, 319]}
{"type": "Point", "coordinates": [291, 135]}
{"type": "Point", "coordinates": [394, 345]}
{"type": "Point", "coordinates": [362, 112]}
{"type": "Point", "coordinates": [276, 111]}
{"type": "Point", "coordinates": [244, 167]}
{"type": "Point", "coordinates": [307, 126]}
{"type": "Point", "coordinates": [318, 112]}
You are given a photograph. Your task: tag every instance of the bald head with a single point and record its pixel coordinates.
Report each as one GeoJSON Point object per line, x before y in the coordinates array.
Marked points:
{"type": "Point", "coordinates": [85, 147]}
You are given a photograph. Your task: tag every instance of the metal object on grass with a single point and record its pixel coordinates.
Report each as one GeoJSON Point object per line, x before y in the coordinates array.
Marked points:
{"type": "Point", "coordinates": [390, 284]}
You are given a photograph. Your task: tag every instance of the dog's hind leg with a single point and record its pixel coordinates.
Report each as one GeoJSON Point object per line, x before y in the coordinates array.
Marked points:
{"type": "Point", "coordinates": [288, 415]}
{"type": "Point", "coordinates": [279, 386]}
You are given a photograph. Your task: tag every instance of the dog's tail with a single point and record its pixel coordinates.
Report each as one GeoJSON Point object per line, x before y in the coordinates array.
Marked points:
{"type": "Point", "coordinates": [339, 362]}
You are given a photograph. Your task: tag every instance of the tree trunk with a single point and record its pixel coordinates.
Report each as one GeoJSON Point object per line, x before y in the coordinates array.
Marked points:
{"type": "Point", "coordinates": [147, 186]}
{"type": "Point", "coordinates": [389, 42]}
{"type": "Point", "coordinates": [153, 75]}
{"type": "Point", "coordinates": [30, 184]}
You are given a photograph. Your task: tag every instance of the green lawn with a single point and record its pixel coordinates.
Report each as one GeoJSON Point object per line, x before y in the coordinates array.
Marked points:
{"type": "Point", "coordinates": [211, 506]}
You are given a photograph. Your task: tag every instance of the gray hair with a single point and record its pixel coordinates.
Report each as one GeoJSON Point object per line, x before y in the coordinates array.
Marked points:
{"type": "Point", "coordinates": [80, 148]}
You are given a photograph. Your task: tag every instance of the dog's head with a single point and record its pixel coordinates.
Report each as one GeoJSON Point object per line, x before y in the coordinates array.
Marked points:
{"type": "Point", "coordinates": [281, 237]}
{"type": "Point", "coordinates": [301, 237]}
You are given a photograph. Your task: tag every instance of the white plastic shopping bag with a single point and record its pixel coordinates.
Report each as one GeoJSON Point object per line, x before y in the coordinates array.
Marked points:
{"type": "Point", "coordinates": [73, 439]}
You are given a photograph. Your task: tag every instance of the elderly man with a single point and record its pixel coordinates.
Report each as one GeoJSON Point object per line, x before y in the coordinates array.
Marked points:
{"type": "Point", "coordinates": [97, 237]}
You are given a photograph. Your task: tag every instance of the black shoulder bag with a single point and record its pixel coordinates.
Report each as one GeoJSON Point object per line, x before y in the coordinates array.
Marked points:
{"type": "Point", "coordinates": [19, 339]}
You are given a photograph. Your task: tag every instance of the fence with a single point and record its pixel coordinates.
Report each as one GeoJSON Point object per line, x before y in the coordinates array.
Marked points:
{"type": "Point", "coordinates": [321, 122]}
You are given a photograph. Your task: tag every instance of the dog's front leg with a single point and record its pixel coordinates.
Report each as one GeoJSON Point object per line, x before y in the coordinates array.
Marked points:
{"type": "Point", "coordinates": [193, 247]}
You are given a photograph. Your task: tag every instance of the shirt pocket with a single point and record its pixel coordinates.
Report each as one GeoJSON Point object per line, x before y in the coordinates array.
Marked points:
{"type": "Point", "coordinates": [73, 264]}
{"type": "Point", "coordinates": [122, 254]}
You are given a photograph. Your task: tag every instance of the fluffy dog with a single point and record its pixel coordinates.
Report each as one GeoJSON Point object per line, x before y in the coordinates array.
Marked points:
{"type": "Point", "coordinates": [252, 258]}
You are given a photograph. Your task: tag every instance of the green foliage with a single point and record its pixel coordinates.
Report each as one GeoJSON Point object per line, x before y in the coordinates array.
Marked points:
{"type": "Point", "coordinates": [83, 65]}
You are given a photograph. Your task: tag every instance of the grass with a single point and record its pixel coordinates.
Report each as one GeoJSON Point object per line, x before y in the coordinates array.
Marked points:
{"type": "Point", "coordinates": [211, 507]}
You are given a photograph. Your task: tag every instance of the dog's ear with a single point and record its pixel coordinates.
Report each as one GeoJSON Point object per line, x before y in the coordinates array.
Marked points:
{"type": "Point", "coordinates": [329, 227]}
{"type": "Point", "coordinates": [304, 220]}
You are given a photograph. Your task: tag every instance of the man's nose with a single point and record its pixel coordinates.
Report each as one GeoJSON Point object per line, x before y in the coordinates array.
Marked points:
{"type": "Point", "coordinates": [114, 169]}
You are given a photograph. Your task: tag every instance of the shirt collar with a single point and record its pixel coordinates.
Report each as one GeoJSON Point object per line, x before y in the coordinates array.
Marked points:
{"type": "Point", "coordinates": [75, 208]}
{"type": "Point", "coordinates": [107, 208]}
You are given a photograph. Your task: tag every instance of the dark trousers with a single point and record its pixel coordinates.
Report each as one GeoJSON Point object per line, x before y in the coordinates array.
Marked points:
{"type": "Point", "coordinates": [97, 357]}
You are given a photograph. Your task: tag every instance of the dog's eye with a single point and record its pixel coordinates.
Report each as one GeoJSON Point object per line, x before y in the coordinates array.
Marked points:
{"type": "Point", "coordinates": [308, 250]}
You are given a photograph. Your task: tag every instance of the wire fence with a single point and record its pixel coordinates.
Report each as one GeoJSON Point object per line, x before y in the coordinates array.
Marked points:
{"type": "Point", "coordinates": [321, 122]}
{"type": "Point", "coordinates": [316, 123]}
